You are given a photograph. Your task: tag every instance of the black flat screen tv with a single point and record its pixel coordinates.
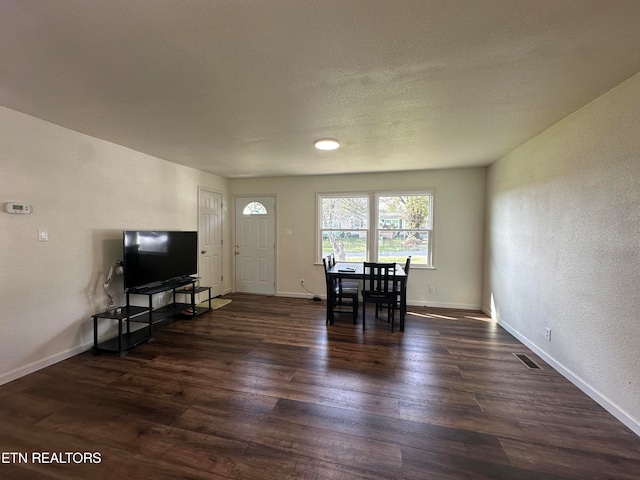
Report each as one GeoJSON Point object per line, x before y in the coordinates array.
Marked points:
{"type": "Point", "coordinates": [155, 257]}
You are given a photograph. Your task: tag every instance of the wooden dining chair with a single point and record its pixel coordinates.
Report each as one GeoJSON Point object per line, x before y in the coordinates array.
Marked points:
{"type": "Point", "coordinates": [339, 295]}
{"type": "Point", "coordinates": [400, 288]}
{"type": "Point", "coordinates": [379, 289]}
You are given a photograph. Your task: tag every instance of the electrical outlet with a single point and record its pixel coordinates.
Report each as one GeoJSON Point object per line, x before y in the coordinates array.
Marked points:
{"type": "Point", "coordinates": [547, 333]}
{"type": "Point", "coordinates": [301, 281]}
{"type": "Point", "coordinates": [432, 289]}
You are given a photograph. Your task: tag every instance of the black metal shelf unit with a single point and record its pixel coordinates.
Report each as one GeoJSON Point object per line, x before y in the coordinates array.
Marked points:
{"type": "Point", "coordinates": [128, 314]}
{"type": "Point", "coordinates": [126, 339]}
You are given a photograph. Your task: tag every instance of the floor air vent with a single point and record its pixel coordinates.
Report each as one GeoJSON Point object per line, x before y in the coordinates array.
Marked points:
{"type": "Point", "coordinates": [527, 361]}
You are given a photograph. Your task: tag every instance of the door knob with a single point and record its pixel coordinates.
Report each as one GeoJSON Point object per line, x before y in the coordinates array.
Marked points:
{"type": "Point", "coordinates": [203, 252]}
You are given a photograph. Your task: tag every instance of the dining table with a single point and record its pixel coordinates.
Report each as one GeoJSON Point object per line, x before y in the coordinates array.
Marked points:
{"type": "Point", "coordinates": [356, 271]}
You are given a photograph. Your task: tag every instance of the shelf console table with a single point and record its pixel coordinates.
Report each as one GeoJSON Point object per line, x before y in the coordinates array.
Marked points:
{"type": "Point", "coordinates": [125, 316]}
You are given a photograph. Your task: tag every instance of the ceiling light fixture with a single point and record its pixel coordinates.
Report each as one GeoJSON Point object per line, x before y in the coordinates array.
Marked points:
{"type": "Point", "coordinates": [327, 144]}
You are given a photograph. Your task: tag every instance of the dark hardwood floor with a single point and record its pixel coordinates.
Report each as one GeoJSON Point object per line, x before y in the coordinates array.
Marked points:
{"type": "Point", "coordinates": [263, 389]}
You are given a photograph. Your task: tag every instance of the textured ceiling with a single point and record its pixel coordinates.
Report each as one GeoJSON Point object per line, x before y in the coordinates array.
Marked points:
{"type": "Point", "coordinates": [243, 88]}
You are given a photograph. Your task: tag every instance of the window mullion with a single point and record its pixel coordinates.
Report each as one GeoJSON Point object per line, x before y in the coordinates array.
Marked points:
{"type": "Point", "coordinates": [373, 225]}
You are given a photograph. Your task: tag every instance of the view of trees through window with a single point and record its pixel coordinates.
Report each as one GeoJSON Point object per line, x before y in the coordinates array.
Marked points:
{"type": "Point", "coordinates": [404, 228]}
{"type": "Point", "coordinates": [398, 226]}
{"type": "Point", "coordinates": [344, 228]}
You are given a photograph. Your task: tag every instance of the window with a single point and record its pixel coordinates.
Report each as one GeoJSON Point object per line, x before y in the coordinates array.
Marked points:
{"type": "Point", "coordinates": [404, 228]}
{"type": "Point", "coordinates": [399, 225]}
{"type": "Point", "coordinates": [344, 227]}
{"type": "Point", "coordinates": [254, 208]}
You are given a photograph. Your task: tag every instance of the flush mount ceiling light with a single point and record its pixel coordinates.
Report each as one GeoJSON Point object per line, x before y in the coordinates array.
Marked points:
{"type": "Point", "coordinates": [327, 144]}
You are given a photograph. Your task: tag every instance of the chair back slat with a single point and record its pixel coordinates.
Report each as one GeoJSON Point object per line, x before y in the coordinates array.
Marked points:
{"type": "Point", "coordinates": [379, 277]}
{"type": "Point", "coordinates": [328, 280]}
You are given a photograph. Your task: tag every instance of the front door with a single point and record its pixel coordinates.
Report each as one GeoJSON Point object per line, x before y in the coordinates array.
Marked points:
{"type": "Point", "coordinates": [255, 248]}
{"type": "Point", "coordinates": [210, 240]}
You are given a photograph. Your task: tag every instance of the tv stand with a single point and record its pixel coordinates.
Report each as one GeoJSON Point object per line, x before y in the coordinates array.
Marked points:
{"type": "Point", "coordinates": [128, 314]}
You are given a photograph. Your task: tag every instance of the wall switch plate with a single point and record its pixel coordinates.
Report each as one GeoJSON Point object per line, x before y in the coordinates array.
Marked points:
{"type": "Point", "coordinates": [43, 235]}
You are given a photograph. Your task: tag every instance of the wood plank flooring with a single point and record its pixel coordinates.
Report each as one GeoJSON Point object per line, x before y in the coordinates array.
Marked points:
{"type": "Point", "coordinates": [263, 389]}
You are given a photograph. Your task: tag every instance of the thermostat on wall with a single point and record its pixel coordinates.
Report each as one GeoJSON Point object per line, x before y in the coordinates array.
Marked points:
{"type": "Point", "coordinates": [15, 207]}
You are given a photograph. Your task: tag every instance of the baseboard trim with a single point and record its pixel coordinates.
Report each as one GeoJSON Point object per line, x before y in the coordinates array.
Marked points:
{"type": "Point", "coordinates": [410, 303]}
{"type": "Point", "coordinates": [43, 363]}
{"type": "Point", "coordinates": [456, 306]}
{"type": "Point", "coordinates": [627, 419]}
{"type": "Point", "coordinates": [298, 295]}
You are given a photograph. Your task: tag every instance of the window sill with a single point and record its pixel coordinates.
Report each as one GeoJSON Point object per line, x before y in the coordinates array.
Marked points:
{"type": "Point", "coordinates": [413, 266]}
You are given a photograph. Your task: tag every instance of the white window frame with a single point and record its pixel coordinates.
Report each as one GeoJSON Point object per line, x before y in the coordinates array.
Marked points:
{"type": "Point", "coordinates": [320, 228]}
{"type": "Point", "coordinates": [428, 230]}
{"type": "Point", "coordinates": [373, 227]}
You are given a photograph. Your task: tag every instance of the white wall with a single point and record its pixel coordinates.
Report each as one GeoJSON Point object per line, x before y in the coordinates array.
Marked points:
{"type": "Point", "coordinates": [458, 230]}
{"type": "Point", "coordinates": [85, 192]}
{"type": "Point", "coordinates": [563, 247]}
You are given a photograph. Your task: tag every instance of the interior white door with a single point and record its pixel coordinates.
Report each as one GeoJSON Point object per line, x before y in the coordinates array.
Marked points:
{"type": "Point", "coordinates": [210, 240]}
{"type": "Point", "coordinates": [255, 248]}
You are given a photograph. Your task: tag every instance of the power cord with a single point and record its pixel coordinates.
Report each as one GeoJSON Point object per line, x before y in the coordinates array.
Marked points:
{"type": "Point", "coordinates": [316, 297]}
